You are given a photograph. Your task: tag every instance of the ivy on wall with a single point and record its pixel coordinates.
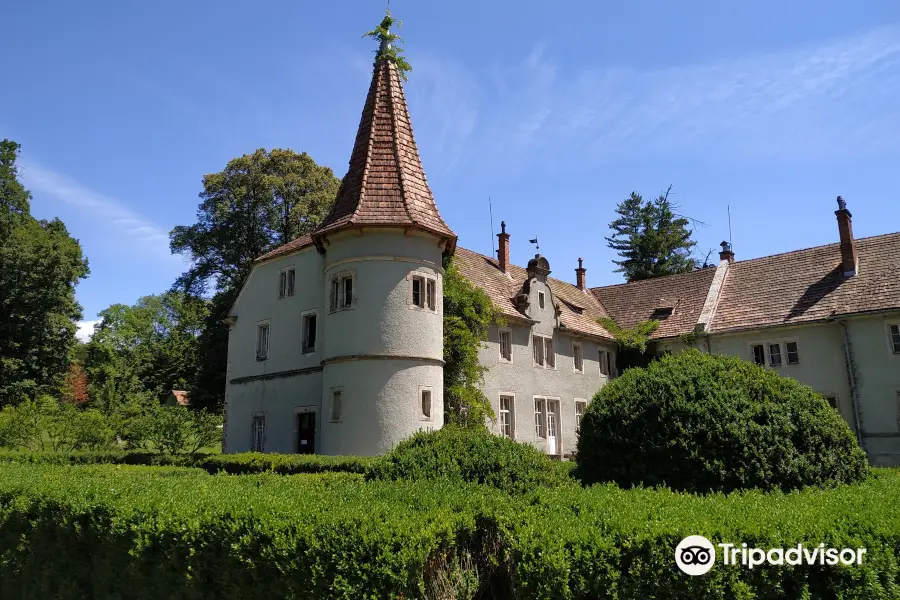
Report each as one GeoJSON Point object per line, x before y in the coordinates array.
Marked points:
{"type": "Point", "coordinates": [635, 347]}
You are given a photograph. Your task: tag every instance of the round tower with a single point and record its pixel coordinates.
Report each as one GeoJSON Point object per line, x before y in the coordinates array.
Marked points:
{"type": "Point", "coordinates": [383, 242]}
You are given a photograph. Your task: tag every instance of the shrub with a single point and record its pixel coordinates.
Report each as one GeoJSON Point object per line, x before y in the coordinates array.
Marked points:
{"type": "Point", "coordinates": [700, 422]}
{"type": "Point", "coordinates": [175, 429]}
{"type": "Point", "coordinates": [463, 454]}
{"type": "Point", "coordinates": [46, 424]}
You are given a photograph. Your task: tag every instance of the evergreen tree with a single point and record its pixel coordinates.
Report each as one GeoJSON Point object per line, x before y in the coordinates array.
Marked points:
{"type": "Point", "coordinates": [651, 239]}
{"type": "Point", "coordinates": [40, 264]}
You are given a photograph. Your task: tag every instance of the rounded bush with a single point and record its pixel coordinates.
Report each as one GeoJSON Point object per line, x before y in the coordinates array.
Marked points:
{"type": "Point", "coordinates": [469, 455]}
{"type": "Point", "coordinates": [700, 422]}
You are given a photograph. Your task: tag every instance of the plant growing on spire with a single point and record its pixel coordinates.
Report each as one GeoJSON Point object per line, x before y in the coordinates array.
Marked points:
{"type": "Point", "coordinates": [388, 44]}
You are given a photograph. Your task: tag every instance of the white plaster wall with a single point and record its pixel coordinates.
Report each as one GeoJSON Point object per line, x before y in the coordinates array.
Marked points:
{"type": "Point", "coordinates": [277, 399]}
{"type": "Point", "coordinates": [381, 404]}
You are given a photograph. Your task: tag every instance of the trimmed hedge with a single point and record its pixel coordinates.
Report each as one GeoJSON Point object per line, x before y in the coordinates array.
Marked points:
{"type": "Point", "coordinates": [701, 422]}
{"type": "Point", "coordinates": [233, 464]}
{"type": "Point", "coordinates": [469, 455]}
{"type": "Point", "coordinates": [134, 532]}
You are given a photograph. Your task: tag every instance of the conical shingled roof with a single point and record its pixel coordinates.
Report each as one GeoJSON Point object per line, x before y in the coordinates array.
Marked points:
{"type": "Point", "coordinates": [386, 183]}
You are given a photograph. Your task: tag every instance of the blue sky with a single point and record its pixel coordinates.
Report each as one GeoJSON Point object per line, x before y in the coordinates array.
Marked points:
{"type": "Point", "coordinates": [557, 113]}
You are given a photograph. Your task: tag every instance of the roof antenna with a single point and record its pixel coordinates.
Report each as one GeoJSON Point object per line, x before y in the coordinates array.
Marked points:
{"type": "Point", "coordinates": [491, 209]}
{"type": "Point", "coordinates": [535, 242]}
{"type": "Point", "coordinates": [729, 226]}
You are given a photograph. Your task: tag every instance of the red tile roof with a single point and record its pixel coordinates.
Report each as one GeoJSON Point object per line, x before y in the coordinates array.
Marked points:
{"type": "Point", "coordinates": [485, 273]}
{"type": "Point", "coordinates": [300, 243]}
{"type": "Point", "coordinates": [385, 184]}
{"type": "Point", "coordinates": [631, 303]}
{"type": "Point", "coordinates": [809, 285]}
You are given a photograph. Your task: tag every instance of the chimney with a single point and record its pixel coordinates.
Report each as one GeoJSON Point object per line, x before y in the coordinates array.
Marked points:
{"type": "Point", "coordinates": [503, 250]}
{"type": "Point", "coordinates": [579, 276]}
{"type": "Point", "coordinates": [726, 253]}
{"type": "Point", "coordinates": [848, 248]}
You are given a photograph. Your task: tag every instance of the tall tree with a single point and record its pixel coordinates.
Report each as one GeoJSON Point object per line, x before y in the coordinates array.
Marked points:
{"type": "Point", "coordinates": [259, 202]}
{"type": "Point", "coordinates": [151, 346]}
{"type": "Point", "coordinates": [40, 265]}
{"type": "Point", "coordinates": [651, 239]}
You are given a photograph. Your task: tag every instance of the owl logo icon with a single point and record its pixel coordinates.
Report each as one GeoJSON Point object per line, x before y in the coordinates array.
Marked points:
{"type": "Point", "coordinates": [695, 555]}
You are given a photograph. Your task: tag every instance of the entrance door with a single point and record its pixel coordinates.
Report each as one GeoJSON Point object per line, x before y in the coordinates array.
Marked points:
{"type": "Point", "coordinates": [306, 433]}
{"type": "Point", "coordinates": [552, 426]}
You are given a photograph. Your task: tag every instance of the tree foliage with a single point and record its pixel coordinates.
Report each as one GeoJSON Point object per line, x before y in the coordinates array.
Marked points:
{"type": "Point", "coordinates": [75, 385]}
{"type": "Point", "coordinates": [259, 202]}
{"type": "Point", "coordinates": [650, 238]}
{"type": "Point", "coordinates": [468, 314]}
{"type": "Point", "coordinates": [40, 264]}
{"type": "Point", "coordinates": [389, 44]}
{"type": "Point", "coordinates": [151, 346]}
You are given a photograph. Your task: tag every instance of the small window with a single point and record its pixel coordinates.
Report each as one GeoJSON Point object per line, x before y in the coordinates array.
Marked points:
{"type": "Point", "coordinates": [426, 404]}
{"type": "Point", "coordinates": [431, 294]}
{"type": "Point", "coordinates": [538, 343]}
{"type": "Point", "coordinates": [895, 338]}
{"type": "Point", "coordinates": [541, 299]}
{"type": "Point", "coordinates": [341, 291]}
{"type": "Point", "coordinates": [337, 405]}
{"type": "Point", "coordinates": [309, 333]}
{"type": "Point", "coordinates": [286, 283]}
{"type": "Point", "coordinates": [775, 355]}
{"type": "Point", "coordinates": [506, 416]}
{"type": "Point", "coordinates": [262, 342]}
{"type": "Point", "coordinates": [576, 355]}
{"type": "Point", "coordinates": [793, 353]}
{"type": "Point", "coordinates": [604, 363]}
{"type": "Point", "coordinates": [258, 434]}
{"type": "Point", "coordinates": [505, 345]}
{"type": "Point", "coordinates": [539, 408]}
{"type": "Point", "coordinates": [418, 298]}
{"type": "Point", "coordinates": [347, 296]}
{"type": "Point", "coordinates": [550, 355]}
{"type": "Point", "coordinates": [759, 355]}
{"type": "Point", "coordinates": [580, 407]}
{"type": "Point", "coordinates": [832, 401]}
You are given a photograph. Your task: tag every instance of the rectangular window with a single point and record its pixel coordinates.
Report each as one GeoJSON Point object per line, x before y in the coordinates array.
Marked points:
{"type": "Point", "coordinates": [262, 342]}
{"type": "Point", "coordinates": [506, 416]}
{"type": "Point", "coordinates": [604, 363]}
{"type": "Point", "coordinates": [538, 343]}
{"type": "Point", "coordinates": [576, 355]}
{"type": "Point", "coordinates": [309, 332]}
{"type": "Point", "coordinates": [426, 404]}
{"type": "Point", "coordinates": [505, 345]}
{"type": "Point", "coordinates": [550, 354]}
{"type": "Point", "coordinates": [290, 282]}
{"type": "Point", "coordinates": [347, 298]}
{"type": "Point", "coordinates": [418, 297]}
{"type": "Point", "coordinates": [431, 294]}
{"type": "Point", "coordinates": [832, 401]}
{"type": "Point", "coordinates": [539, 414]}
{"type": "Point", "coordinates": [775, 355]}
{"type": "Point", "coordinates": [759, 355]}
{"type": "Point", "coordinates": [282, 284]}
{"type": "Point", "coordinates": [580, 407]}
{"type": "Point", "coordinates": [341, 291]}
{"type": "Point", "coordinates": [337, 404]}
{"type": "Point", "coordinates": [541, 299]}
{"type": "Point", "coordinates": [258, 434]}
{"type": "Point", "coordinates": [895, 338]}
{"type": "Point", "coordinates": [793, 353]}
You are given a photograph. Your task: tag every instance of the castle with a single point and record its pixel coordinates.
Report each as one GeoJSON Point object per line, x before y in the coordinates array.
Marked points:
{"type": "Point", "coordinates": [336, 338]}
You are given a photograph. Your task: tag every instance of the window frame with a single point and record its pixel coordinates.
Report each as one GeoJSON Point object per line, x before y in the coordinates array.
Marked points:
{"type": "Point", "coordinates": [837, 400]}
{"type": "Point", "coordinates": [604, 359]}
{"type": "Point", "coordinates": [304, 316]}
{"type": "Point", "coordinates": [578, 349]}
{"type": "Point", "coordinates": [541, 300]}
{"type": "Point", "coordinates": [582, 402]}
{"type": "Point", "coordinates": [787, 353]}
{"type": "Point", "coordinates": [287, 282]}
{"type": "Point", "coordinates": [337, 299]}
{"type": "Point", "coordinates": [508, 332]}
{"type": "Point", "coordinates": [256, 418]}
{"type": "Point", "coordinates": [426, 416]}
{"type": "Point", "coordinates": [510, 412]}
{"type": "Point", "coordinates": [783, 353]}
{"type": "Point", "coordinates": [260, 325]}
{"type": "Point", "coordinates": [754, 357]}
{"type": "Point", "coordinates": [893, 346]}
{"type": "Point", "coordinates": [540, 418]}
{"type": "Point", "coordinates": [547, 350]}
{"type": "Point", "coordinates": [337, 392]}
{"type": "Point", "coordinates": [427, 291]}
{"type": "Point", "coordinates": [769, 346]}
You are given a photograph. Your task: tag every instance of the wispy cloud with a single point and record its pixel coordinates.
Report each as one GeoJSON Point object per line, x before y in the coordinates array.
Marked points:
{"type": "Point", "coordinates": [86, 330]}
{"type": "Point", "coordinates": [833, 101]}
{"type": "Point", "coordinates": [112, 215]}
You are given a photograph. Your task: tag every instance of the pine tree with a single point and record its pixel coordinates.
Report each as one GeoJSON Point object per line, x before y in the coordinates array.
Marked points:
{"type": "Point", "coordinates": [651, 239]}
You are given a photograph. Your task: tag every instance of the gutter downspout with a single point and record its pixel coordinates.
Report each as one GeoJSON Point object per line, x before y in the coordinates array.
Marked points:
{"type": "Point", "coordinates": [854, 392]}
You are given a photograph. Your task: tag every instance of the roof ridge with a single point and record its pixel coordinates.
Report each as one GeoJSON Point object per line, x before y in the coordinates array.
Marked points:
{"type": "Point", "coordinates": [395, 136]}
{"type": "Point", "coordinates": [653, 279]}
{"type": "Point", "coordinates": [819, 247]}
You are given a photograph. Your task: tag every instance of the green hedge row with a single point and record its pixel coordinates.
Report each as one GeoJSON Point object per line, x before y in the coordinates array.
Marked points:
{"type": "Point", "coordinates": [132, 532]}
{"type": "Point", "coordinates": [234, 464]}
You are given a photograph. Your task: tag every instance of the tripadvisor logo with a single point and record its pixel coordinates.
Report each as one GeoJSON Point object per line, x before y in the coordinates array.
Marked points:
{"type": "Point", "coordinates": [696, 555]}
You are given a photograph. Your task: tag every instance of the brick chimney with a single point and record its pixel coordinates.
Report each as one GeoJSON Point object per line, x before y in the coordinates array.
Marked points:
{"type": "Point", "coordinates": [579, 276]}
{"type": "Point", "coordinates": [503, 250]}
{"type": "Point", "coordinates": [848, 248]}
{"type": "Point", "coordinates": [727, 253]}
